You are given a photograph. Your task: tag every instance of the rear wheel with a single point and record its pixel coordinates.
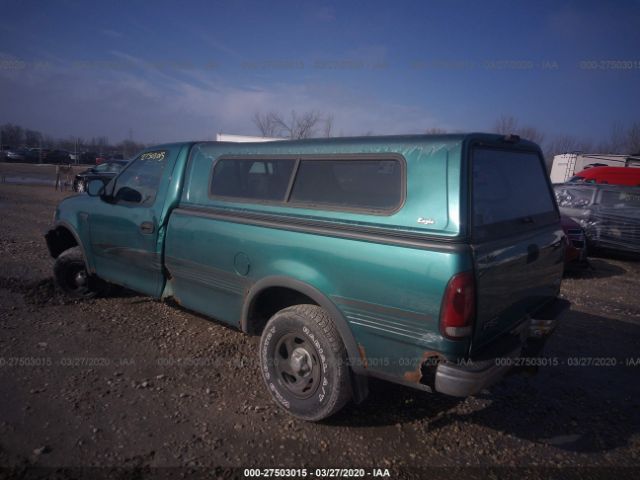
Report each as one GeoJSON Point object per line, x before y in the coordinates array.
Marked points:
{"type": "Point", "coordinates": [304, 362]}
{"type": "Point", "coordinates": [71, 275]}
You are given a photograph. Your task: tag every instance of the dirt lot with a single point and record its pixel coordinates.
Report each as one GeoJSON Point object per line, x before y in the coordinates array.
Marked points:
{"type": "Point", "coordinates": [37, 174]}
{"type": "Point", "coordinates": [134, 382]}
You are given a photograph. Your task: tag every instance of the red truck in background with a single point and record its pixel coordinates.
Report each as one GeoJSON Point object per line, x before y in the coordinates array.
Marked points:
{"type": "Point", "coordinates": [612, 175]}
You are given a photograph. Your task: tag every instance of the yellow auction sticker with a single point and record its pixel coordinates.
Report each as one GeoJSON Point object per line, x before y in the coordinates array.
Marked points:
{"type": "Point", "coordinates": [159, 155]}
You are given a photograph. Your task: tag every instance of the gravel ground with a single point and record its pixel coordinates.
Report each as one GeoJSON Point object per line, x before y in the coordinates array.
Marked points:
{"type": "Point", "coordinates": [36, 174]}
{"type": "Point", "coordinates": [134, 382]}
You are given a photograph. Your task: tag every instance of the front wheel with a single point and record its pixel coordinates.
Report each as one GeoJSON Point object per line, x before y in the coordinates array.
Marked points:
{"type": "Point", "coordinates": [71, 275]}
{"type": "Point", "coordinates": [304, 362]}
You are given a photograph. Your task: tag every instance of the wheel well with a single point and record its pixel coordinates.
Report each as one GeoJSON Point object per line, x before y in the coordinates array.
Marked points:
{"type": "Point", "coordinates": [270, 301]}
{"type": "Point", "coordinates": [59, 240]}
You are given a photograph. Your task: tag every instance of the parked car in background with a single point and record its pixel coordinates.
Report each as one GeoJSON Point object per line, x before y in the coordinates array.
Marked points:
{"type": "Point", "coordinates": [609, 175]}
{"type": "Point", "coordinates": [108, 157]}
{"type": "Point", "coordinates": [105, 172]}
{"type": "Point", "coordinates": [608, 214]}
{"type": "Point", "coordinates": [58, 156]}
{"type": "Point", "coordinates": [88, 157]}
{"type": "Point", "coordinates": [37, 155]}
{"type": "Point", "coordinates": [3, 152]}
{"type": "Point", "coordinates": [576, 249]}
{"type": "Point", "coordinates": [16, 155]}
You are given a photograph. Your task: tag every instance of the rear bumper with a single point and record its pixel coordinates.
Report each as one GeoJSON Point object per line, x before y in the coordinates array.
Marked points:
{"type": "Point", "coordinates": [469, 377]}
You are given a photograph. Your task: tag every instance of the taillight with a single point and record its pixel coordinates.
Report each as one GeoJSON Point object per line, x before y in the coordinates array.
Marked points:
{"type": "Point", "coordinates": [458, 306]}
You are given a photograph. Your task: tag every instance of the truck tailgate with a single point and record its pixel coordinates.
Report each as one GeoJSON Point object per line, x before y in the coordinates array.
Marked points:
{"type": "Point", "coordinates": [514, 277]}
{"type": "Point", "coordinates": [517, 241]}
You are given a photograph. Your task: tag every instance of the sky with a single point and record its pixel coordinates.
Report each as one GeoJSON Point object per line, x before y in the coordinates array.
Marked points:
{"type": "Point", "coordinates": [168, 70]}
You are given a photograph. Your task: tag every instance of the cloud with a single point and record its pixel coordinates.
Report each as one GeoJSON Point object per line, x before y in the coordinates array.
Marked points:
{"type": "Point", "coordinates": [324, 13]}
{"type": "Point", "coordinates": [111, 33]}
{"type": "Point", "coordinates": [220, 46]}
{"type": "Point", "coordinates": [161, 105]}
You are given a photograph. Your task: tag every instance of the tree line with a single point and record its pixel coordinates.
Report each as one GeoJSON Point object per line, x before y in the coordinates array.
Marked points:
{"type": "Point", "coordinates": [621, 139]}
{"type": "Point", "coordinates": [624, 140]}
{"type": "Point", "coordinates": [15, 136]}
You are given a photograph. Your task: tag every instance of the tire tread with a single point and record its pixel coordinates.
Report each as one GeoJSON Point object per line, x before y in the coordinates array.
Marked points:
{"type": "Point", "coordinates": [323, 321]}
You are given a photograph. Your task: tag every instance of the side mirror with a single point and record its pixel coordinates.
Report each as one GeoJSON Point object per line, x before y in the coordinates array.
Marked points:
{"type": "Point", "coordinates": [95, 188]}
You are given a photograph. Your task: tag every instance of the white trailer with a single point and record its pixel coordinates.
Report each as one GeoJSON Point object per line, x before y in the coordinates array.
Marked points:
{"type": "Point", "coordinates": [228, 137]}
{"type": "Point", "coordinates": [567, 165]}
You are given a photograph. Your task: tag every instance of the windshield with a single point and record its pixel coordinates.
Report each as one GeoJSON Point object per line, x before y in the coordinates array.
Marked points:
{"type": "Point", "coordinates": [578, 179]}
{"type": "Point", "coordinates": [573, 197]}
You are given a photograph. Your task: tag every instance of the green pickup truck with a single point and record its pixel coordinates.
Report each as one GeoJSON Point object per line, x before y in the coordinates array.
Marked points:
{"type": "Point", "coordinates": [429, 261]}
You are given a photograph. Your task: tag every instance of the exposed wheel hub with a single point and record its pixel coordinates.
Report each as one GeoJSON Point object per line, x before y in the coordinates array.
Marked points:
{"type": "Point", "coordinates": [301, 361]}
{"type": "Point", "coordinates": [80, 278]}
{"type": "Point", "coordinates": [297, 365]}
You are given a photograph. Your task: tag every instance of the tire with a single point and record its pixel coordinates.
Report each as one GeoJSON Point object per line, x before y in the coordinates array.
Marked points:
{"type": "Point", "coordinates": [72, 277]}
{"type": "Point", "coordinates": [304, 362]}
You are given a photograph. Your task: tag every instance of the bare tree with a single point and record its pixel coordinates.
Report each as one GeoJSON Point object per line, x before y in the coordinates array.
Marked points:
{"type": "Point", "coordinates": [617, 140]}
{"type": "Point", "coordinates": [12, 134]}
{"type": "Point", "coordinates": [531, 133]}
{"type": "Point", "coordinates": [633, 139]}
{"type": "Point", "coordinates": [305, 125]}
{"type": "Point", "coordinates": [302, 126]}
{"type": "Point", "coordinates": [566, 144]}
{"type": "Point", "coordinates": [507, 124]}
{"type": "Point", "coordinates": [266, 123]}
{"type": "Point", "coordinates": [622, 140]}
{"type": "Point", "coordinates": [561, 144]}
{"type": "Point", "coordinates": [327, 129]}
{"type": "Point", "coordinates": [32, 137]}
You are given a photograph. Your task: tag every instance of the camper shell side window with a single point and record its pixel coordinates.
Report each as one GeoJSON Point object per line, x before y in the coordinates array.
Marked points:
{"type": "Point", "coordinates": [368, 184]}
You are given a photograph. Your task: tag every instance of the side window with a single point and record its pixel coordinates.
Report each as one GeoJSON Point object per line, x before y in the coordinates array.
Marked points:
{"type": "Point", "coordinates": [252, 179]}
{"type": "Point", "coordinates": [349, 184]}
{"type": "Point", "coordinates": [139, 183]}
{"type": "Point", "coordinates": [620, 199]}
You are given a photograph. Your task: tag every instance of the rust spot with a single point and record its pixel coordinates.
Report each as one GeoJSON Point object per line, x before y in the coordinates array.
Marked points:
{"type": "Point", "coordinates": [414, 376]}
{"type": "Point", "coordinates": [363, 355]}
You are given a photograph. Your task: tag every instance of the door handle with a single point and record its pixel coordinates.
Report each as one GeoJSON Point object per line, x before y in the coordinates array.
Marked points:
{"type": "Point", "coordinates": [147, 227]}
